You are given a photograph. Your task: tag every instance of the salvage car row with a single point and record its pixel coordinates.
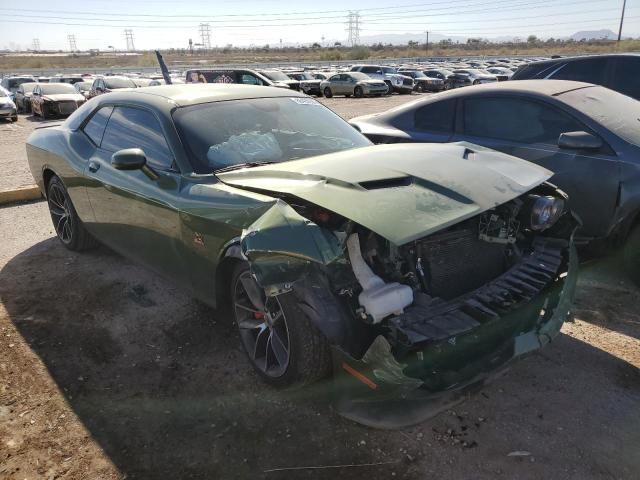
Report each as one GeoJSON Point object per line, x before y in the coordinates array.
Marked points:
{"type": "Point", "coordinates": [356, 80]}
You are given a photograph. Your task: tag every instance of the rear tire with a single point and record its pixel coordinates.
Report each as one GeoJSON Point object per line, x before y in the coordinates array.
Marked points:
{"type": "Point", "coordinates": [328, 93]}
{"type": "Point", "coordinates": [389, 87]}
{"type": "Point", "coordinates": [67, 224]}
{"type": "Point", "coordinates": [308, 356]}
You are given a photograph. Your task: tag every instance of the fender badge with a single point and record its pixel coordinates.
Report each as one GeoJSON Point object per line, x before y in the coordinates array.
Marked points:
{"type": "Point", "coordinates": [198, 239]}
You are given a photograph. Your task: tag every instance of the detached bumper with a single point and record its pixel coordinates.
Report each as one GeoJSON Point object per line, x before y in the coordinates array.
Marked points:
{"type": "Point", "coordinates": [375, 390]}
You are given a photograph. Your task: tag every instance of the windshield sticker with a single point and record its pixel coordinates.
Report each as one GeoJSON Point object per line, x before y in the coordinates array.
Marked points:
{"type": "Point", "coordinates": [304, 101]}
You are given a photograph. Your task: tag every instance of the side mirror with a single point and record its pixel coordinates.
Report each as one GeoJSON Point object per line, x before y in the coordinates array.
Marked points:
{"type": "Point", "coordinates": [128, 159]}
{"type": "Point", "coordinates": [579, 141]}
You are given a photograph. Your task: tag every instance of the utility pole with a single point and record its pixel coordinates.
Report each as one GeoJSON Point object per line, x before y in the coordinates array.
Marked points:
{"type": "Point", "coordinates": [36, 44]}
{"type": "Point", "coordinates": [624, 6]}
{"type": "Point", "coordinates": [205, 36]}
{"type": "Point", "coordinates": [426, 45]}
{"type": "Point", "coordinates": [128, 35]}
{"type": "Point", "coordinates": [72, 43]}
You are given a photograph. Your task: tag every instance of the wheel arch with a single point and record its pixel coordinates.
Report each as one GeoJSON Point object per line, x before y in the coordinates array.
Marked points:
{"type": "Point", "coordinates": [230, 256]}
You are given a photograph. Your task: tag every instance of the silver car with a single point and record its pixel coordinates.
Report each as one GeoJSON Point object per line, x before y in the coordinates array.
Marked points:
{"type": "Point", "coordinates": [352, 83]}
{"type": "Point", "coordinates": [7, 107]}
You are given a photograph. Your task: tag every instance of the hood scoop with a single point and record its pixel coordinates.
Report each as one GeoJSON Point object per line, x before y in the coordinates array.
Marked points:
{"type": "Point", "coordinates": [386, 183]}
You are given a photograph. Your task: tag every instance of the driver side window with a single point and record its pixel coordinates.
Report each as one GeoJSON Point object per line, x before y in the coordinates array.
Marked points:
{"type": "Point", "coordinates": [516, 120]}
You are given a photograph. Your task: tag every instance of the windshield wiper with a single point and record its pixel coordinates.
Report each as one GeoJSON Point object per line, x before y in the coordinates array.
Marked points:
{"type": "Point", "coordinates": [238, 166]}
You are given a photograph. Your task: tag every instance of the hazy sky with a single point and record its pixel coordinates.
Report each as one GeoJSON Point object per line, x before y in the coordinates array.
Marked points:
{"type": "Point", "coordinates": [170, 23]}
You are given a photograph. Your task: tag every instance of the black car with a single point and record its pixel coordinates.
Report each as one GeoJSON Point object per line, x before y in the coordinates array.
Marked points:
{"type": "Point", "coordinates": [423, 83]}
{"type": "Point", "coordinates": [588, 135]}
{"type": "Point", "coordinates": [620, 72]}
{"type": "Point", "coordinates": [447, 76]}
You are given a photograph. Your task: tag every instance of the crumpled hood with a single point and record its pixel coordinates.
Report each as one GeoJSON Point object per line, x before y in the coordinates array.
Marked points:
{"type": "Point", "coordinates": [401, 191]}
{"type": "Point", "coordinates": [64, 97]}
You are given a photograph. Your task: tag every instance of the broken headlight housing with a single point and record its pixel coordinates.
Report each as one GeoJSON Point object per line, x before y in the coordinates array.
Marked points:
{"type": "Point", "coordinates": [545, 211]}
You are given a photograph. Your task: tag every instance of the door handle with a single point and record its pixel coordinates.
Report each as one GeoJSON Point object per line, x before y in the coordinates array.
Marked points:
{"type": "Point", "coordinates": [94, 166]}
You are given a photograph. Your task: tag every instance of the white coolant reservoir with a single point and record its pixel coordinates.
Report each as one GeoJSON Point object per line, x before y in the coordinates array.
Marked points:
{"type": "Point", "coordinates": [378, 298]}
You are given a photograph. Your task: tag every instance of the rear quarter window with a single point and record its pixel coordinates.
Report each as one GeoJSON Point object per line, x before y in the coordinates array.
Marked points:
{"type": "Point", "coordinates": [94, 128]}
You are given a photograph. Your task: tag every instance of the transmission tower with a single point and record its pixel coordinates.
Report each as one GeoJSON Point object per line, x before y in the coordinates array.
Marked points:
{"type": "Point", "coordinates": [72, 43]}
{"type": "Point", "coordinates": [128, 35]}
{"type": "Point", "coordinates": [205, 36]}
{"type": "Point", "coordinates": [36, 44]}
{"type": "Point", "coordinates": [353, 24]}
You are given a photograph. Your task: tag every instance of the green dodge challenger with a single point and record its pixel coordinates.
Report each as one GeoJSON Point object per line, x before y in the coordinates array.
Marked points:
{"type": "Point", "coordinates": [409, 274]}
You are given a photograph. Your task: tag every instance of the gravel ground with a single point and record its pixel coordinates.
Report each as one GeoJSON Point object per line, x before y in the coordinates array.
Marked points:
{"type": "Point", "coordinates": [109, 372]}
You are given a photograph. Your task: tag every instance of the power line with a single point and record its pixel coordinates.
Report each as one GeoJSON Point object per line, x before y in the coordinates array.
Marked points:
{"type": "Point", "coordinates": [199, 15]}
{"type": "Point", "coordinates": [523, 5]}
{"type": "Point", "coordinates": [128, 35]}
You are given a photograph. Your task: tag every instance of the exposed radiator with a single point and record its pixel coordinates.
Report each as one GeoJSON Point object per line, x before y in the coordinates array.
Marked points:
{"type": "Point", "coordinates": [456, 262]}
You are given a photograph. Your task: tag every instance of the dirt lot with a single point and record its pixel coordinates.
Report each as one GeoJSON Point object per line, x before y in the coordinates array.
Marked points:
{"type": "Point", "coordinates": [109, 372]}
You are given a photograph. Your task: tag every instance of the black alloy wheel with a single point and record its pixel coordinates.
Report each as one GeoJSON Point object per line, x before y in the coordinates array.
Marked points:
{"type": "Point", "coordinates": [263, 327]}
{"type": "Point", "coordinates": [67, 224]}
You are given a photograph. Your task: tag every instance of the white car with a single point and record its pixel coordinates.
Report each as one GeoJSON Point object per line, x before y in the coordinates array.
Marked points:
{"type": "Point", "coordinates": [390, 76]}
{"type": "Point", "coordinates": [7, 107]}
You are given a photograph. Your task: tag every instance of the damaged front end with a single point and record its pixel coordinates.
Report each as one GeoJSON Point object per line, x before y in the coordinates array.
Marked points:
{"type": "Point", "coordinates": [415, 326]}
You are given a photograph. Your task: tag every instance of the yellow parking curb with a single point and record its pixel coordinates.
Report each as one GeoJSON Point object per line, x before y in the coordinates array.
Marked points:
{"type": "Point", "coordinates": [20, 194]}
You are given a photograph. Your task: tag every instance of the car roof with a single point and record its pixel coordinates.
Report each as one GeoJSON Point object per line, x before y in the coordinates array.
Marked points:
{"type": "Point", "coordinates": [194, 93]}
{"type": "Point", "coordinates": [582, 57]}
{"type": "Point", "coordinates": [540, 87]}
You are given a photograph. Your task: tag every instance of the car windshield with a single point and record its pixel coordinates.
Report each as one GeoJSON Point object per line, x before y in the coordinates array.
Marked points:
{"type": "Point", "coordinates": [302, 76]}
{"type": "Point", "coordinates": [413, 74]}
{"type": "Point", "coordinates": [57, 88]}
{"type": "Point", "coordinates": [388, 69]}
{"type": "Point", "coordinates": [613, 110]}
{"type": "Point", "coordinates": [276, 76]}
{"type": "Point", "coordinates": [360, 76]}
{"type": "Point", "coordinates": [28, 87]}
{"type": "Point", "coordinates": [119, 83]}
{"type": "Point", "coordinates": [223, 134]}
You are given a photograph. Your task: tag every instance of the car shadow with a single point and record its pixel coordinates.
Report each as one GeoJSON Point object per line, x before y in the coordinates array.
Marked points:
{"type": "Point", "coordinates": [161, 383]}
{"type": "Point", "coordinates": [607, 296]}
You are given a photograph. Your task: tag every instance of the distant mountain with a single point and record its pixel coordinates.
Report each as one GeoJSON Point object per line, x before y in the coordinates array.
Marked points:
{"type": "Point", "coordinates": [404, 38]}
{"type": "Point", "coordinates": [604, 34]}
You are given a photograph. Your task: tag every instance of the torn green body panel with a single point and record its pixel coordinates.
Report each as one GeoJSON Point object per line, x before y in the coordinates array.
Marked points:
{"type": "Point", "coordinates": [282, 245]}
{"type": "Point", "coordinates": [402, 192]}
{"type": "Point", "coordinates": [439, 375]}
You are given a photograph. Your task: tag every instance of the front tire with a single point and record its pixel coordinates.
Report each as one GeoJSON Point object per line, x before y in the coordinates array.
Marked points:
{"type": "Point", "coordinates": [327, 92]}
{"type": "Point", "coordinates": [67, 224]}
{"type": "Point", "coordinates": [358, 92]}
{"type": "Point", "coordinates": [283, 346]}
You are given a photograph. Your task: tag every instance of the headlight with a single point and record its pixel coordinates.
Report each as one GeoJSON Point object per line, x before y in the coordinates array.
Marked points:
{"type": "Point", "coordinates": [545, 211]}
